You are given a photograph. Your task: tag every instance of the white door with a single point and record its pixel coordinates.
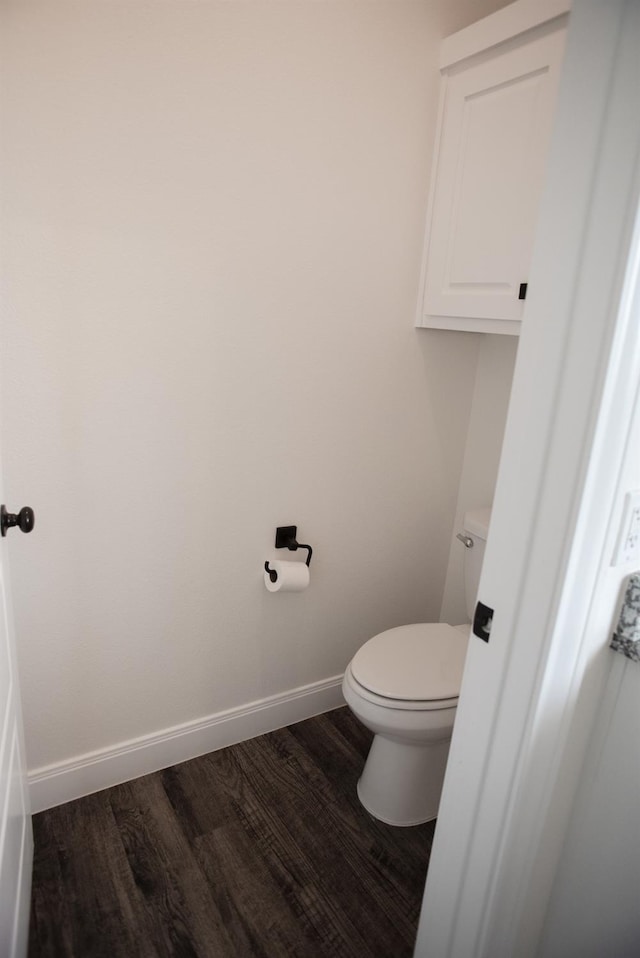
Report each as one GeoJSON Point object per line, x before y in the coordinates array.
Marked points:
{"type": "Point", "coordinates": [496, 127]}
{"type": "Point", "coordinates": [16, 842]}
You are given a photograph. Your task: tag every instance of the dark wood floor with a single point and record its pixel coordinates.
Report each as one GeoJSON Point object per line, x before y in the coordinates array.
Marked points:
{"type": "Point", "coordinates": [261, 849]}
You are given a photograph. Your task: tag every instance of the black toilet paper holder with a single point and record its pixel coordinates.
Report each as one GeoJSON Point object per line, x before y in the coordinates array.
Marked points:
{"type": "Point", "coordinates": [286, 539]}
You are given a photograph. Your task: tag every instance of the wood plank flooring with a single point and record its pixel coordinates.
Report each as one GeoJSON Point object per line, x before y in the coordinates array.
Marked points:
{"type": "Point", "coordinates": [261, 849]}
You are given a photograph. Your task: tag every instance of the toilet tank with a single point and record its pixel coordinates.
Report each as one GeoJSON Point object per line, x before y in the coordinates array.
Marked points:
{"type": "Point", "coordinates": [476, 530]}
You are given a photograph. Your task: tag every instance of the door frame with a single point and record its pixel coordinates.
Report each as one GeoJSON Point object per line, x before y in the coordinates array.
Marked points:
{"type": "Point", "coordinates": [529, 696]}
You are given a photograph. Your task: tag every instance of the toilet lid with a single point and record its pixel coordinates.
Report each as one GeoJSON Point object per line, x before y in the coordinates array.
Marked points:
{"type": "Point", "coordinates": [415, 662]}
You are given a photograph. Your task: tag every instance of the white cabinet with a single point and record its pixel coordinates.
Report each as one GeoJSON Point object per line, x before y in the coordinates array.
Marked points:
{"type": "Point", "coordinates": [496, 116]}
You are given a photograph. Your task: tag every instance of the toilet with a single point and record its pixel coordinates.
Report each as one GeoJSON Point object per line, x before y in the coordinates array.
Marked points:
{"type": "Point", "coordinates": [403, 685]}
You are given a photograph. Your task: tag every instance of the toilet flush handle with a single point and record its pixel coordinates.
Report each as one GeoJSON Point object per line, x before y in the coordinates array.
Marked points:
{"type": "Point", "coordinates": [467, 541]}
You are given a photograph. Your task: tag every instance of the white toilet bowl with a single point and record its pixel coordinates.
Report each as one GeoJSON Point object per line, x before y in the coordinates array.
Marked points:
{"type": "Point", "coordinates": [403, 685]}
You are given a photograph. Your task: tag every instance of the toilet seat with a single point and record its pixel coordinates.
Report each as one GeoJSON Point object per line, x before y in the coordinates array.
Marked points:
{"type": "Point", "coordinates": [410, 705]}
{"type": "Point", "coordinates": [411, 667]}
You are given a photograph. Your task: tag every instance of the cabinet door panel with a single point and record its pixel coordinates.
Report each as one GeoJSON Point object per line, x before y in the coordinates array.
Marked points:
{"type": "Point", "coordinates": [497, 121]}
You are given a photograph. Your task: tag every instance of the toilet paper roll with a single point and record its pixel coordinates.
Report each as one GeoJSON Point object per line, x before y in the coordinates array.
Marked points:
{"type": "Point", "coordinates": [292, 576]}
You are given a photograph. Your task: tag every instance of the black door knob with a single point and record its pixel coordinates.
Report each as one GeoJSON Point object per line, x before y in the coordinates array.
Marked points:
{"type": "Point", "coordinates": [25, 519]}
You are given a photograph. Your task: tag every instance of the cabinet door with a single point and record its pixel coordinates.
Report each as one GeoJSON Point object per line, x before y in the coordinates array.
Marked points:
{"type": "Point", "coordinates": [494, 139]}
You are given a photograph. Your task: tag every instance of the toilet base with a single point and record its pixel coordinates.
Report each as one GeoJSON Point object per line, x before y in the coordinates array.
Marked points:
{"type": "Point", "coordinates": [401, 783]}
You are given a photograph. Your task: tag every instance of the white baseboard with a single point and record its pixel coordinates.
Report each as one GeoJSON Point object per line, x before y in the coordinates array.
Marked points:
{"type": "Point", "coordinates": [64, 781]}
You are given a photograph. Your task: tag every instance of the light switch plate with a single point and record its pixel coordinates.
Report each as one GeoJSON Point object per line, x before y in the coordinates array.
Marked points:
{"type": "Point", "coordinates": [628, 546]}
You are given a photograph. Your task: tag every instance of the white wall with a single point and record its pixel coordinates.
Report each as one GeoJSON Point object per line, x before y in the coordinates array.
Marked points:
{"type": "Point", "coordinates": [212, 224]}
{"type": "Point", "coordinates": [594, 905]}
{"type": "Point", "coordinates": [492, 389]}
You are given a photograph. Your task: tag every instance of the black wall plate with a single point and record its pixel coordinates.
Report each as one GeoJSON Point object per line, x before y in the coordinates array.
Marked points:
{"type": "Point", "coordinates": [284, 535]}
{"type": "Point", "coordinates": [482, 621]}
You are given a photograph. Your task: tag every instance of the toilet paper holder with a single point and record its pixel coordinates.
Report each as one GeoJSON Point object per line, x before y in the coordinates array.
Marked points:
{"type": "Point", "coordinates": [286, 539]}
